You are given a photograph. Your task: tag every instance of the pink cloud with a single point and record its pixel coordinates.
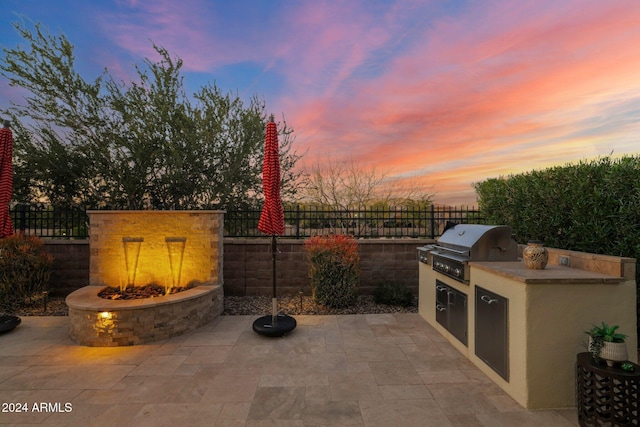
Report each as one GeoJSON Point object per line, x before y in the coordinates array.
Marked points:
{"type": "Point", "coordinates": [510, 84]}
{"type": "Point", "coordinates": [326, 43]}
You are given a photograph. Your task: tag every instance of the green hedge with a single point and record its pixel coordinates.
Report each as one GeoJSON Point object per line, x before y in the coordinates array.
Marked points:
{"type": "Point", "coordinates": [592, 206]}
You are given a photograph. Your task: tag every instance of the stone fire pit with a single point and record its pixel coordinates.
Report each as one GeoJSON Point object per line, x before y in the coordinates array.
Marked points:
{"type": "Point", "coordinates": [100, 322]}
{"type": "Point", "coordinates": [135, 248]}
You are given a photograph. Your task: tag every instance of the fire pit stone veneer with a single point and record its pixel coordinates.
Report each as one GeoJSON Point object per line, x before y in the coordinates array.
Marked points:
{"type": "Point", "coordinates": [171, 248]}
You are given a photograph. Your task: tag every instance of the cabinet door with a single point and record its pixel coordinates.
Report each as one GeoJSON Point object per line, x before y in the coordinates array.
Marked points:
{"type": "Point", "coordinates": [458, 315]}
{"type": "Point", "coordinates": [491, 334]}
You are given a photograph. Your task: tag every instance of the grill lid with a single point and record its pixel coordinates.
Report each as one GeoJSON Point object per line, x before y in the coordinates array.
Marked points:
{"type": "Point", "coordinates": [478, 242]}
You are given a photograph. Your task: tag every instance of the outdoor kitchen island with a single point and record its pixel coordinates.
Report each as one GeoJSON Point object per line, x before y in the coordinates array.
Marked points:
{"type": "Point", "coordinates": [525, 327]}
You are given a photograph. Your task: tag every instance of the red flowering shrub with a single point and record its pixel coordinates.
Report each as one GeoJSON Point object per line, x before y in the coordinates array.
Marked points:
{"type": "Point", "coordinates": [334, 269]}
{"type": "Point", "coordinates": [25, 267]}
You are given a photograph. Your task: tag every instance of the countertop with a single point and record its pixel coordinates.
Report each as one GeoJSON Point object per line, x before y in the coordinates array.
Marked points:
{"type": "Point", "coordinates": [552, 274]}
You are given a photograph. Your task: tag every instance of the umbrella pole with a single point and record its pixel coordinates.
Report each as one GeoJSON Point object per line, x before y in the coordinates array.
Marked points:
{"type": "Point", "coordinates": [274, 324]}
{"type": "Point", "coordinates": [274, 298]}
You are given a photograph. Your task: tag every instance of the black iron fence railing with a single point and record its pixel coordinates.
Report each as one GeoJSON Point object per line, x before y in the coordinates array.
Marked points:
{"type": "Point", "coordinates": [49, 222]}
{"type": "Point", "coordinates": [300, 222]}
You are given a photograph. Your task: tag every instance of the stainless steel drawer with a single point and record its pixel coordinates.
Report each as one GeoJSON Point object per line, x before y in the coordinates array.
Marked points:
{"type": "Point", "coordinates": [451, 310]}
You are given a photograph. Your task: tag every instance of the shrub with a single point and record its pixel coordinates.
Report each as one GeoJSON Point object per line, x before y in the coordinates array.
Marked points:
{"type": "Point", "coordinates": [592, 206]}
{"type": "Point", "coordinates": [391, 293]}
{"type": "Point", "coordinates": [589, 206]}
{"type": "Point", "coordinates": [334, 269]}
{"type": "Point", "coordinates": [24, 270]}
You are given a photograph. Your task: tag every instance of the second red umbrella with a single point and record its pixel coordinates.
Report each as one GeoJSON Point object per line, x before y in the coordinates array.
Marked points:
{"type": "Point", "coordinates": [272, 222]}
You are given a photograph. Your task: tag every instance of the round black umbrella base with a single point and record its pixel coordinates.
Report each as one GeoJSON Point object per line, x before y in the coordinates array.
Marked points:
{"type": "Point", "coordinates": [7, 323]}
{"type": "Point", "coordinates": [283, 325]}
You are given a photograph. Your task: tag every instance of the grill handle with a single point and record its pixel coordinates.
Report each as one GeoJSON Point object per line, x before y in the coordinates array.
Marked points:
{"type": "Point", "coordinates": [440, 307]}
{"type": "Point", "coordinates": [444, 250]}
{"type": "Point", "coordinates": [488, 299]}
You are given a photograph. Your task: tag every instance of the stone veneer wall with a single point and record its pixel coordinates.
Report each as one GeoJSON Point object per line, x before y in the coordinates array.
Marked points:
{"type": "Point", "coordinates": [140, 321]}
{"type": "Point", "coordinates": [202, 260]}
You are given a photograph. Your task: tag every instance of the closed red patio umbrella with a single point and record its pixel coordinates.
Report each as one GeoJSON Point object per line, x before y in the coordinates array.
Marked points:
{"type": "Point", "coordinates": [272, 216]}
{"type": "Point", "coordinates": [272, 222]}
{"type": "Point", "coordinates": [6, 179]}
{"type": "Point", "coordinates": [7, 322]}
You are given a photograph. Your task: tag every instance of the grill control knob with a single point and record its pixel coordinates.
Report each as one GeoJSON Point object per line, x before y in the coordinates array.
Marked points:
{"type": "Point", "coordinates": [457, 272]}
{"type": "Point", "coordinates": [447, 268]}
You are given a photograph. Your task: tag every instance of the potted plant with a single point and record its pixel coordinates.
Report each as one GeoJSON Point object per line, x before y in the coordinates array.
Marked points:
{"type": "Point", "coordinates": [605, 343]}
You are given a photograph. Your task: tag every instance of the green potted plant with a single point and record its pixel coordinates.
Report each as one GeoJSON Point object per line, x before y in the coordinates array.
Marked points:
{"type": "Point", "coordinates": [605, 343]}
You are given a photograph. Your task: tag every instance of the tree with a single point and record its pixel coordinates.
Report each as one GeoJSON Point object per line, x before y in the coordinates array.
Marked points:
{"type": "Point", "coordinates": [345, 185]}
{"type": "Point", "coordinates": [343, 189]}
{"type": "Point", "coordinates": [142, 144]}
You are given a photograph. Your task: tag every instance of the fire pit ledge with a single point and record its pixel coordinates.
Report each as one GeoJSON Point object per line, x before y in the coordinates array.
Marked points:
{"type": "Point", "coordinates": [99, 322]}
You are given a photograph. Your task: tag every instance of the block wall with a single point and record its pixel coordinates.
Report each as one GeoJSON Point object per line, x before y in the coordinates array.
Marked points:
{"type": "Point", "coordinates": [70, 268]}
{"type": "Point", "coordinates": [248, 265]}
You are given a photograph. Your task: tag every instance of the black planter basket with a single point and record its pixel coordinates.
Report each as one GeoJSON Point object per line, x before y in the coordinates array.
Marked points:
{"type": "Point", "coordinates": [8, 323]}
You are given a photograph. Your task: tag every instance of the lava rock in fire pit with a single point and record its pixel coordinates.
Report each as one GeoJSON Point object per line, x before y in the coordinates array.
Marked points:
{"type": "Point", "coordinates": [137, 292]}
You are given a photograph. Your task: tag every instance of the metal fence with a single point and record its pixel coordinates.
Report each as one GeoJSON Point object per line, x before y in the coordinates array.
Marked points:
{"type": "Point", "coordinates": [48, 222]}
{"type": "Point", "coordinates": [300, 222]}
{"type": "Point", "coordinates": [400, 222]}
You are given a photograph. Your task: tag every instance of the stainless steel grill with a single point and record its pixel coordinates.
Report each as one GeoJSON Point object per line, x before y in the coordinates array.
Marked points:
{"type": "Point", "coordinates": [461, 243]}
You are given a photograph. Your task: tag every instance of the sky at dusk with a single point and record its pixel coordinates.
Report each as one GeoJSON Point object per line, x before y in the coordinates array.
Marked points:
{"type": "Point", "coordinates": [441, 93]}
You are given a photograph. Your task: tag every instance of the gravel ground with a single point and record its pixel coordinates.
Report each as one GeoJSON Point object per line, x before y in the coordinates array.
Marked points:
{"type": "Point", "coordinates": [55, 306]}
{"type": "Point", "coordinates": [304, 305]}
{"type": "Point", "coordinates": [292, 305]}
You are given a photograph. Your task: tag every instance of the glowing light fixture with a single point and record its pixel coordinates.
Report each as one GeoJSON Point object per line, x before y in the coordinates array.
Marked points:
{"type": "Point", "coordinates": [175, 248]}
{"type": "Point", "coordinates": [131, 254]}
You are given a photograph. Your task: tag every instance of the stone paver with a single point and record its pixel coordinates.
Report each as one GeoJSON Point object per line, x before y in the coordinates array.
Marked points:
{"type": "Point", "coordinates": [357, 370]}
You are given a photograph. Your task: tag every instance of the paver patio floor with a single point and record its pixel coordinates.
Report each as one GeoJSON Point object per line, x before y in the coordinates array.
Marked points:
{"type": "Point", "coordinates": [350, 370]}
